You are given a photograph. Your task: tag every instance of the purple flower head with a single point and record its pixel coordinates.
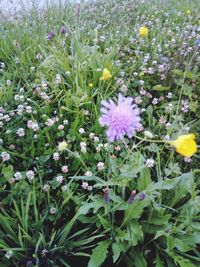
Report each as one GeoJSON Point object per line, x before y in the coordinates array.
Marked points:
{"type": "Point", "coordinates": [122, 118]}
{"type": "Point", "coordinates": [142, 196]}
{"type": "Point", "coordinates": [50, 35]}
{"type": "Point", "coordinates": [63, 30]}
{"type": "Point", "coordinates": [132, 197]}
{"type": "Point", "coordinates": [197, 42]}
{"type": "Point", "coordinates": [106, 195]}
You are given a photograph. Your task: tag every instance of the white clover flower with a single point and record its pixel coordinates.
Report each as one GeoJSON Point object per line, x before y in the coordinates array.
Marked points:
{"type": "Point", "coordinates": [67, 73]}
{"type": "Point", "coordinates": [5, 156]}
{"type": "Point", "coordinates": [61, 127]}
{"type": "Point", "coordinates": [81, 131]}
{"type": "Point", "coordinates": [169, 95]}
{"type": "Point", "coordinates": [117, 148]}
{"type": "Point", "coordinates": [17, 176]}
{"type": "Point", "coordinates": [167, 137]}
{"type": "Point", "coordinates": [62, 146]}
{"type": "Point", "coordinates": [148, 134]}
{"type": "Point", "coordinates": [46, 187]}
{"type": "Point", "coordinates": [65, 122]}
{"type": "Point", "coordinates": [20, 132]}
{"type": "Point", "coordinates": [187, 159]}
{"type": "Point", "coordinates": [83, 147]}
{"type": "Point", "coordinates": [30, 175]}
{"type": "Point", "coordinates": [150, 163]}
{"type": "Point", "coordinates": [168, 125]}
{"type": "Point", "coordinates": [84, 185]}
{"type": "Point", "coordinates": [99, 147]}
{"type": "Point", "coordinates": [33, 125]}
{"type": "Point", "coordinates": [12, 181]}
{"type": "Point", "coordinates": [96, 139]}
{"type": "Point", "coordinates": [89, 188]}
{"type": "Point", "coordinates": [155, 101]}
{"type": "Point", "coordinates": [8, 82]}
{"type": "Point", "coordinates": [88, 173]}
{"type": "Point", "coordinates": [64, 188]}
{"type": "Point", "coordinates": [29, 109]}
{"type": "Point", "coordinates": [85, 112]}
{"type": "Point", "coordinates": [56, 156]}
{"type": "Point", "coordinates": [58, 79]}
{"type": "Point", "coordinates": [65, 168]}
{"type": "Point", "coordinates": [59, 179]}
{"type": "Point", "coordinates": [100, 166]}
{"type": "Point", "coordinates": [9, 254]}
{"type": "Point", "coordinates": [50, 122]}
{"type": "Point", "coordinates": [53, 210]}
{"type": "Point", "coordinates": [91, 135]}
{"type": "Point", "coordinates": [169, 107]}
{"type": "Point", "coordinates": [6, 118]}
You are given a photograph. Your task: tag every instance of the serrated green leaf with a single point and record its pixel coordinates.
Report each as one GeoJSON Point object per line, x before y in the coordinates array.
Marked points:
{"type": "Point", "coordinates": [99, 254]}
{"type": "Point", "coordinates": [116, 251]}
{"type": "Point", "coordinates": [104, 222]}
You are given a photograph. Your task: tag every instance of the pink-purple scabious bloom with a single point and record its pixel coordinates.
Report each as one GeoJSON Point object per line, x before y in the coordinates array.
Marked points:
{"type": "Point", "coordinates": [122, 118]}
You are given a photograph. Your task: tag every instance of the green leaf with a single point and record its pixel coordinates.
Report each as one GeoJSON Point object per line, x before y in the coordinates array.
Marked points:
{"type": "Point", "coordinates": [99, 254]}
{"type": "Point", "coordinates": [187, 90]}
{"type": "Point", "coordinates": [185, 74]}
{"type": "Point", "coordinates": [88, 178]}
{"type": "Point", "coordinates": [144, 180]}
{"type": "Point", "coordinates": [159, 87]}
{"type": "Point", "coordinates": [104, 222]}
{"type": "Point", "coordinates": [182, 262]}
{"type": "Point", "coordinates": [181, 246]}
{"type": "Point", "coordinates": [139, 259]}
{"type": "Point", "coordinates": [194, 106]}
{"type": "Point", "coordinates": [131, 169]}
{"type": "Point", "coordinates": [135, 210]}
{"type": "Point", "coordinates": [116, 251]}
{"type": "Point", "coordinates": [158, 261]}
{"type": "Point", "coordinates": [7, 173]}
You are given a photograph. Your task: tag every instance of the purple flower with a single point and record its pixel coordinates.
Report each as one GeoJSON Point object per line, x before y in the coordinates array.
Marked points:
{"type": "Point", "coordinates": [132, 197]}
{"type": "Point", "coordinates": [122, 118]}
{"type": "Point", "coordinates": [197, 42]}
{"type": "Point", "coordinates": [106, 195]}
{"type": "Point", "coordinates": [63, 30]}
{"type": "Point", "coordinates": [50, 35]}
{"type": "Point", "coordinates": [142, 196]}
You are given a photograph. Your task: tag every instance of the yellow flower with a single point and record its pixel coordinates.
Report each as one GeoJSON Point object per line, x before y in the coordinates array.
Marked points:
{"type": "Point", "coordinates": [106, 75]}
{"type": "Point", "coordinates": [185, 145]}
{"type": "Point", "coordinates": [143, 31]}
{"type": "Point", "coordinates": [62, 146]}
{"type": "Point", "coordinates": [188, 12]}
{"type": "Point", "coordinates": [90, 84]}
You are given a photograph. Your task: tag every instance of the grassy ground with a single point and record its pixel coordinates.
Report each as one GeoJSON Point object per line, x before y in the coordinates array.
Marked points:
{"type": "Point", "coordinates": [68, 195]}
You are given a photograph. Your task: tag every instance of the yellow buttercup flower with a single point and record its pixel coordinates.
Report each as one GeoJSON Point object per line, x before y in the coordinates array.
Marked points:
{"type": "Point", "coordinates": [106, 75]}
{"type": "Point", "coordinates": [143, 31]}
{"type": "Point", "coordinates": [188, 12]}
{"type": "Point", "coordinates": [185, 145]}
{"type": "Point", "coordinates": [90, 84]}
{"type": "Point", "coordinates": [62, 146]}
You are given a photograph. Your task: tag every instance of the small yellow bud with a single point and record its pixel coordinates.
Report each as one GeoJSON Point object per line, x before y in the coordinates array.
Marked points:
{"type": "Point", "coordinates": [106, 75]}
{"type": "Point", "coordinates": [143, 31]}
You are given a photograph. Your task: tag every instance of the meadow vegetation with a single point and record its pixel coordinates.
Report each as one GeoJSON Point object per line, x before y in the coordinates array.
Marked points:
{"type": "Point", "coordinates": [99, 126]}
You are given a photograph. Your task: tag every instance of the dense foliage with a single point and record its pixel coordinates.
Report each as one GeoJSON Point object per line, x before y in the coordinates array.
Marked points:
{"type": "Point", "coordinates": [69, 196]}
